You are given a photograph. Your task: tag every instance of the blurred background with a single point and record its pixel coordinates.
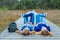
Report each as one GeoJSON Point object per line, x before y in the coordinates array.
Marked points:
{"type": "Point", "coordinates": [11, 10]}
{"type": "Point", "coordinates": [29, 4]}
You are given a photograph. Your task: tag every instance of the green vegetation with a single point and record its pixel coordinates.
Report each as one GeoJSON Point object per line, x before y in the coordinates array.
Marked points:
{"type": "Point", "coordinates": [29, 4]}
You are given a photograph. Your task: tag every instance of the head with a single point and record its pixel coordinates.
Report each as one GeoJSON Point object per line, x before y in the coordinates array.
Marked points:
{"type": "Point", "coordinates": [45, 32]}
{"type": "Point", "coordinates": [26, 32]}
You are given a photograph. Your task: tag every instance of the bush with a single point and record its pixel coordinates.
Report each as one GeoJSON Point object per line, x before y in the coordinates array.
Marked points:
{"type": "Point", "coordinates": [30, 4]}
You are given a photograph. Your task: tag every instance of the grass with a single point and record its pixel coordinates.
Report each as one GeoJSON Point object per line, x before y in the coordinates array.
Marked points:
{"type": "Point", "coordinates": [8, 15]}
{"type": "Point", "coordinates": [5, 19]}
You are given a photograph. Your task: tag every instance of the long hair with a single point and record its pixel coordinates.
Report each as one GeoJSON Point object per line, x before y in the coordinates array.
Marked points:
{"type": "Point", "coordinates": [45, 32]}
{"type": "Point", "coordinates": [26, 32]}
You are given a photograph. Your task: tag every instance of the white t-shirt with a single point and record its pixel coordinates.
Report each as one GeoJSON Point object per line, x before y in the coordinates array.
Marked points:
{"type": "Point", "coordinates": [43, 28]}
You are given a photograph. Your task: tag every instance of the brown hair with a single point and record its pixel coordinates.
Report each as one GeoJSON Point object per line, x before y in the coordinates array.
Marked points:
{"type": "Point", "coordinates": [26, 32]}
{"type": "Point", "coordinates": [45, 32]}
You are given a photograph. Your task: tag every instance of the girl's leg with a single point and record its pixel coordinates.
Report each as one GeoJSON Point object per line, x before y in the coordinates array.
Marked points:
{"type": "Point", "coordinates": [25, 20]}
{"type": "Point", "coordinates": [40, 18]}
{"type": "Point", "coordinates": [37, 19]}
{"type": "Point", "coordinates": [43, 18]}
{"type": "Point", "coordinates": [32, 18]}
{"type": "Point", "coordinates": [31, 15]}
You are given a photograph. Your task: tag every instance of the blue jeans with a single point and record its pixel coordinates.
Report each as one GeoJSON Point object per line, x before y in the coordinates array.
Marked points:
{"type": "Point", "coordinates": [31, 15]}
{"type": "Point", "coordinates": [40, 18]}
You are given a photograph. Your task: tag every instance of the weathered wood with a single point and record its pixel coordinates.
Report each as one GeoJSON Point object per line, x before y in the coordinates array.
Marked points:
{"type": "Point", "coordinates": [5, 35]}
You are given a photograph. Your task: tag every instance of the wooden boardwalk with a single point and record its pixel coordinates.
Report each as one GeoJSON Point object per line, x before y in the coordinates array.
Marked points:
{"type": "Point", "coordinates": [5, 35]}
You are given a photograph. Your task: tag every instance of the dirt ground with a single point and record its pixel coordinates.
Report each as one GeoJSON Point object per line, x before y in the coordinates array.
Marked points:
{"type": "Point", "coordinates": [7, 15]}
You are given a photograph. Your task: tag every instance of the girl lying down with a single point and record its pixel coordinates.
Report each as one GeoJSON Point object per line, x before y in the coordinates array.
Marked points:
{"type": "Point", "coordinates": [40, 29]}
{"type": "Point", "coordinates": [26, 29]}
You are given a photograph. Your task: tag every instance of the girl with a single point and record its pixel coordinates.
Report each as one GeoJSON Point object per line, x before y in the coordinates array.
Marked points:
{"type": "Point", "coordinates": [43, 29]}
{"type": "Point", "coordinates": [26, 29]}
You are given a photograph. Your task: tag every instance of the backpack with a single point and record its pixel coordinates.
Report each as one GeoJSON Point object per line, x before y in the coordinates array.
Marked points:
{"type": "Point", "coordinates": [12, 27]}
